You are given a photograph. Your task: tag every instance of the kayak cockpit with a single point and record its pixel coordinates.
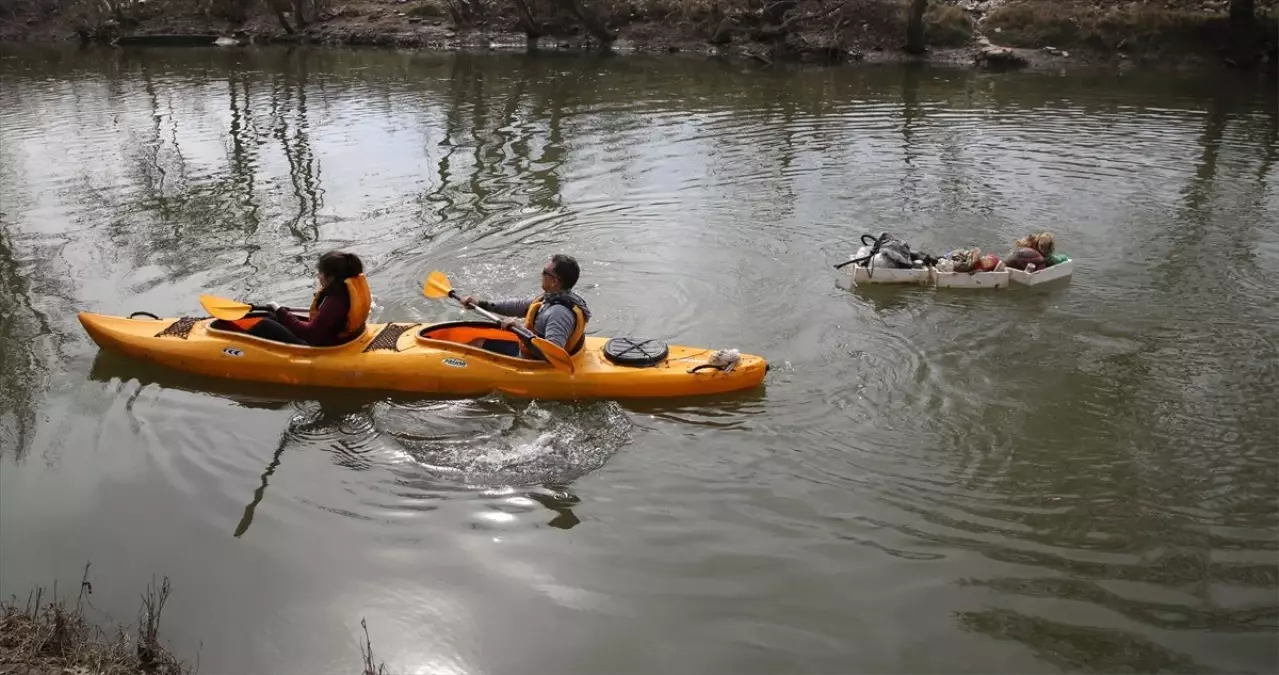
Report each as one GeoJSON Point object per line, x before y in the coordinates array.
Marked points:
{"type": "Point", "coordinates": [229, 330]}
{"type": "Point", "coordinates": [468, 336]}
{"type": "Point", "coordinates": [463, 332]}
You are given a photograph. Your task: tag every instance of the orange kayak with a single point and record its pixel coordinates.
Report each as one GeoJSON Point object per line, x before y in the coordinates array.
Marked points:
{"type": "Point", "coordinates": [429, 359]}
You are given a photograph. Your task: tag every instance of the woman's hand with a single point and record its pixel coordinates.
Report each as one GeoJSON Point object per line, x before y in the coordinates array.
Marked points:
{"type": "Point", "coordinates": [509, 323]}
{"type": "Point", "coordinates": [468, 301]}
{"type": "Point", "coordinates": [274, 307]}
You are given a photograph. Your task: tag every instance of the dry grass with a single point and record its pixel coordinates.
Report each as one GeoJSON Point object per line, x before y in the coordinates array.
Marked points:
{"type": "Point", "coordinates": [371, 666]}
{"type": "Point", "coordinates": [46, 635]}
{"type": "Point", "coordinates": [1150, 29]}
{"type": "Point", "coordinates": [843, 21]}
{"type": "Point", "coordinates": [623, 12]}
{"type": "Point", "coordinates": [1164, 29]}
{"type": "Point", "coordinates": [947, 25]}
{"type": "Point", "coordinates": [428, 9]}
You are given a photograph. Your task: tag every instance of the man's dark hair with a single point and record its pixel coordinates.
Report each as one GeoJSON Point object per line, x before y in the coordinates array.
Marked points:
{"type": "Point", "coordinates": [566, 269]}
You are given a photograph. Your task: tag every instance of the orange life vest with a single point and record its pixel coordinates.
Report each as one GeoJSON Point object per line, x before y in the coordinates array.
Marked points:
{"type": "Point", "coordinates": [576, 339]}
{"type": "Point", "coordinates": [360, 302]}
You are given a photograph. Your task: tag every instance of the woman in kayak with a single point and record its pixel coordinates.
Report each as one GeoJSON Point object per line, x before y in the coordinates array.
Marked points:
{"type": "Point", "coordinates": [559, 315]}
{"type": "Point", "coordinates": [338, 311]}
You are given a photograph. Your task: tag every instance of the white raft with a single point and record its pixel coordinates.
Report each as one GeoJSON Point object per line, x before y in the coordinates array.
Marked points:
{"type": "Point", "coordinates": [931, 276]}
{"type": "Point", "coordinates": [892, 275]}
{"type": "Point", "coordinates": [1059, 271]}
{"type": "Point", "coordinates": [998, 279]}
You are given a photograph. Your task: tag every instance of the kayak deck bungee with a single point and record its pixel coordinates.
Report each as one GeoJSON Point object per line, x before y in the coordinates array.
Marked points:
{"type": "Point", "coordinates": [422, 358]}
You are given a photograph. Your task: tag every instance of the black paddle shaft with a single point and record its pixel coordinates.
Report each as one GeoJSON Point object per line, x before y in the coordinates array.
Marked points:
{"type": "Point", "coordinates": [519, 329]}
{"type": "Point", "coordinates": [264, 308]}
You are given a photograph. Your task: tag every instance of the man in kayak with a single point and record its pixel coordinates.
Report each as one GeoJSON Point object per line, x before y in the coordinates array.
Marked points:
{"type": "Point", "coordinates": [559, 315]}
{"type": "Point", "coordinates": [338, 311]}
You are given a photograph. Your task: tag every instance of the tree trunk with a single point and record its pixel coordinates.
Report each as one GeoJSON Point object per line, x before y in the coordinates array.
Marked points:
{"type": "Point", "coordinates": [915, 27]}
{"type": "Point", "coordinates": [723, 32]}
{"type": "Point", "coordinates": [1243, 32]}
{"type": "Point", "coordinates": [299, 13]}
{"type": "Point", "coordinates": [776, 11]}
{"type": "Point", "coordinates": [527, 22]}
{"type": "Point", "coordinates": [589, 19]}
{"type": "Point", "coordinates": [279, 15]}
{"type": "Point", "coordinates": [1242, 12]}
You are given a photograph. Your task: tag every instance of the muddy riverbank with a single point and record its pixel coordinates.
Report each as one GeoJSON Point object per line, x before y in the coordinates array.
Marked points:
{"type": "Point", "coordinates": [1038, 34]}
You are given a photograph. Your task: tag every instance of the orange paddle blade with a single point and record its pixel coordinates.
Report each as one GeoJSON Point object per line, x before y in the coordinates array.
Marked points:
{"type": "Point", "coordinates": [223, 308]}
{"type": "Point", "coordinates": [437, 286]}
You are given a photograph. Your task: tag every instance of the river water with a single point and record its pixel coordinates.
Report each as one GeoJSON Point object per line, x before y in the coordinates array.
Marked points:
{"type": "Point", "coordinates": [1082, 478]}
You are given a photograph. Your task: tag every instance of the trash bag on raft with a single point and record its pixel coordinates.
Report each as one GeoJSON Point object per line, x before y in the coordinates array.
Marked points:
{"type": "Point", "coordinates": [895, 253]}
{"type": "Point", "coordinates": [971, 261]}
{"type": "Point", "coordinates": [964, 259]}
{"type": "Point", "coordinates": [1023, 257]}
{"type": "Point", "coordinates": [889, 252]}
{"type": "Point", "coordinates": [988, 263]}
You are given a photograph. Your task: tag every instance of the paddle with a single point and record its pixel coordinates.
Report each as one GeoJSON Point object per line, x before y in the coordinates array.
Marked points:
{"type": "Point", "coordinates": [227, 310]}
{"type": "Point", "coordinates": [437, 287]}
{"type": "Point", "coordinates": [231, 310]}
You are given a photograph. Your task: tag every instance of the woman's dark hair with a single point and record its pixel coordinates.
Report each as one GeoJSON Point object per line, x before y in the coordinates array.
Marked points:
{"type": "Point", "coordinates": [337, 265]}
{"type": "Point", "coordinates": [566, 269]}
